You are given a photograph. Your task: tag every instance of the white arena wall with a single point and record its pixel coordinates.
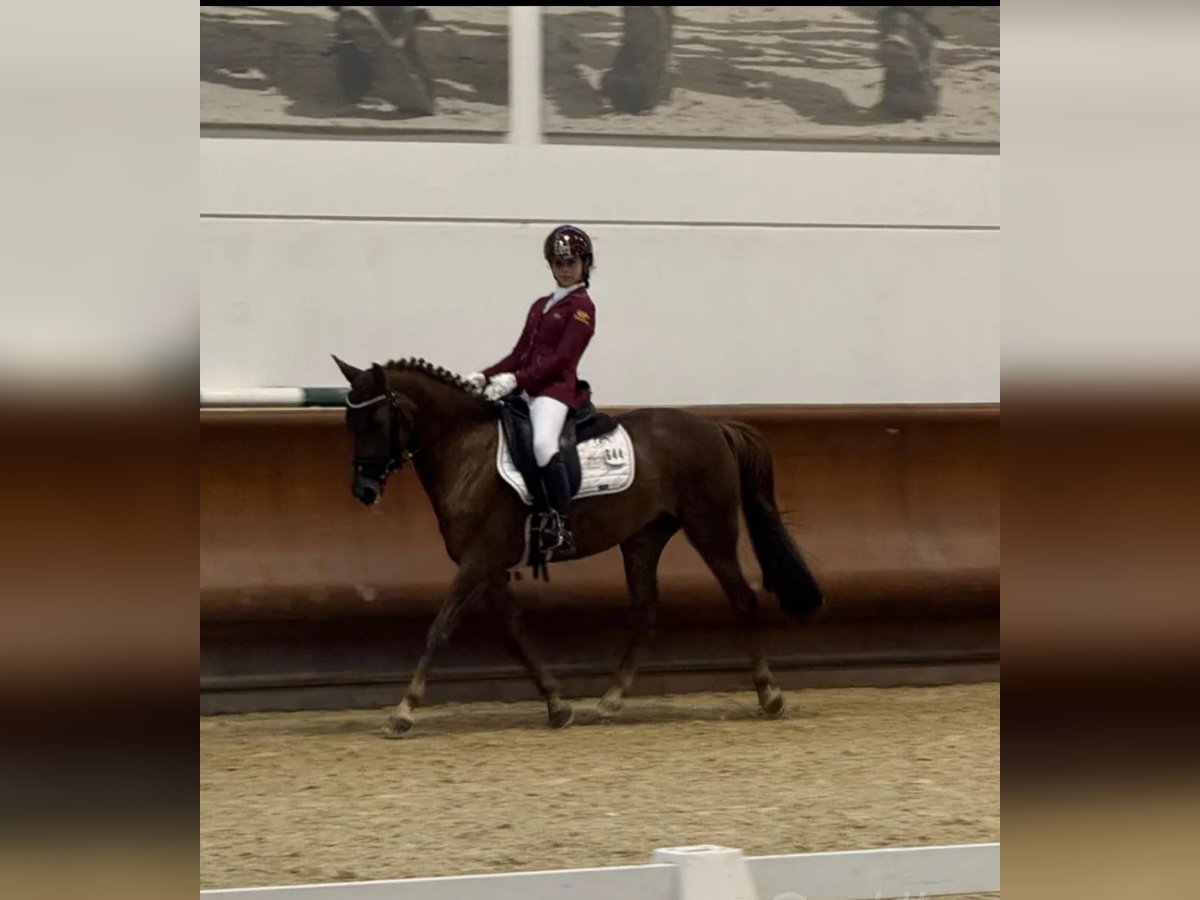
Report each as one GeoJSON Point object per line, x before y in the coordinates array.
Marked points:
{"type": "Point", "coordinates": [723, 275]}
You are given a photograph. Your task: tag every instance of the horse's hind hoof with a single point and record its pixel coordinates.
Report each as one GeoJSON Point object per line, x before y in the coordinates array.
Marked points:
{"type": "Point", "coordinates": [607, 708]}
{"type": "Point", "coordinates": [561, 718]}
{"type": "Point", "coordinates": [774, 704]}
{"type": "Point", "coordinates": [397, 727]}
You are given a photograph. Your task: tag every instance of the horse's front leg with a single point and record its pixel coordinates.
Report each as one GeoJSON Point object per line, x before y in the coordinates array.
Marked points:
{"type": "Point", "coordinates": [504, 605]}
{"type": "Point", "coordinates": [469, 586]}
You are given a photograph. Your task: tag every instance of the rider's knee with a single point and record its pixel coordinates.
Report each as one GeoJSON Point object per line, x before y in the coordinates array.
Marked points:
{"type": "Point", "coordinates": [544, 449]}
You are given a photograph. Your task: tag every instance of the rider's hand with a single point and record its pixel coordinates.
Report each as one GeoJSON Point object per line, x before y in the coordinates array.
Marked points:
{"type": "Point", "coordinates": [477, 381]}
{"type": "Point", "coordinates": [501, 386]}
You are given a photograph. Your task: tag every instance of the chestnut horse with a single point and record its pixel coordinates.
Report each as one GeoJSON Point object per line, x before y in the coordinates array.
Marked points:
{"type": "Point", "coordinates": [692, 474]}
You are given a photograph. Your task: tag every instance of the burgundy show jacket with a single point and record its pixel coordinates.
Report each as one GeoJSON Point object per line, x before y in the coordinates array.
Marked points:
{"type": "Point", "coordinates": [546, 356]}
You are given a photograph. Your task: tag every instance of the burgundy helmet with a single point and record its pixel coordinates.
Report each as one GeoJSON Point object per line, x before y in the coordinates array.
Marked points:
{"type": "Point", "coordinates": [566, 242]}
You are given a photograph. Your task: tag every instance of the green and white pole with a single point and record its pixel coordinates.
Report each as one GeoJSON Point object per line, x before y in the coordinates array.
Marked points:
{"type": "Point", "coordinates": [272, 397]}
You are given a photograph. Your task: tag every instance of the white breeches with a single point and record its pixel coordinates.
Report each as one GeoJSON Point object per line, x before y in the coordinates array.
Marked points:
{"type": "Point", "coordinates": [548, 416]}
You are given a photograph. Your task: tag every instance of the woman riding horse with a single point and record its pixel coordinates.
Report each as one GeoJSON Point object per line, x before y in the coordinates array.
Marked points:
{"type": "Point", "coordinates": [544, 366]}
{"type": "Point", "coordinates": [694, 475]}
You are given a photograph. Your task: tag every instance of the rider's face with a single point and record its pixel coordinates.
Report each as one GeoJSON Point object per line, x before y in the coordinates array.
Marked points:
{"type": "Point", "coordinates": [567, 271]}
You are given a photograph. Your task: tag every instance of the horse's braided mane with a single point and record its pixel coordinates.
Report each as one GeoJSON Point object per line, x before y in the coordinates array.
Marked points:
{"type": "Point", "coordinates": [439, 374]}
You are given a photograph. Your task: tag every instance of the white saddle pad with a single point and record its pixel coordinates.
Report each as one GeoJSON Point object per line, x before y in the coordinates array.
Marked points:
{"type": "Point", "coordinates": [606, 464]}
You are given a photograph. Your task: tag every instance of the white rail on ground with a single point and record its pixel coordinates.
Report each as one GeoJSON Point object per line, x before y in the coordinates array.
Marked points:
{"type": "Point", "coordinates": [695, 873]}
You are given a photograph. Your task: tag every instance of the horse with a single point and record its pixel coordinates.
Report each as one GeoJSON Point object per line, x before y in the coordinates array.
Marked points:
{"type": "Point", "coordinates": [377, 46]}
{"type": "Point", "coordinates": [692, 474]}
{"type": "Point", "coordinates": [639, 79]}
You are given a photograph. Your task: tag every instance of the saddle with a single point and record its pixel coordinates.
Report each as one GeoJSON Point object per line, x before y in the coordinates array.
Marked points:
{"type": "Point", "coordinates": [582, 424]}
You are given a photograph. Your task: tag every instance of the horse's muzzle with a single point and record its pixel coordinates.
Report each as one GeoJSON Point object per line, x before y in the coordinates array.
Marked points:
{"type": "Point", "coordinates": [367, 490]}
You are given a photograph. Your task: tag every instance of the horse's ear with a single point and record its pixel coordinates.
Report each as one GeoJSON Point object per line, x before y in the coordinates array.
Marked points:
{"type": "Point", "coordinates": [348, 370]}
{"type": "Point", "coordinates": [379, 376]}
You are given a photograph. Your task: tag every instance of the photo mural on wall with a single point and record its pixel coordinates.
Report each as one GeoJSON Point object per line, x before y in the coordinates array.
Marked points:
{"type": "Point", "coordinates": [862, 74]}
{"type": "Point", "coordinates": [798, 73]}
{"type": "Point", "coordinates": [354, 69]}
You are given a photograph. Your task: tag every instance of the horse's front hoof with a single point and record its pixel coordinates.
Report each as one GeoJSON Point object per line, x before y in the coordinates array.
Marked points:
{"type": "Point", "coordinates": [397, 727]}
{"type": "Point", "coordinates": [561, 718]}
{"type": "Point", "coordinates": [774, 704]}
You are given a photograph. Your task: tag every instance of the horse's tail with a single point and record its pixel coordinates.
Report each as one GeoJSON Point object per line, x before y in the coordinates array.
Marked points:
{"type": "Point", "coordinates": [785, 573]}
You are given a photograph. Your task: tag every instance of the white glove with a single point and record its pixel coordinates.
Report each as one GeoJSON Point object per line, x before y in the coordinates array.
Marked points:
{"type": "Point", "coordinates": [476, 381]}
{"type": "Point", "coordinates": [501, 386]}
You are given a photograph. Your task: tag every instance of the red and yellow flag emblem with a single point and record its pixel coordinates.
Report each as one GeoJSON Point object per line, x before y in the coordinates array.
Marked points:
{"type": "Point", "coordinates": [583, 317]}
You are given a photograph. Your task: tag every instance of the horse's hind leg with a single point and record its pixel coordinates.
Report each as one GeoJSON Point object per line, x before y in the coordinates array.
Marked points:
{"type": "Point", "coordinates": [503, 604]}
{"type": "Point", "coordinates": [642, 553]}
{"type": "Point", "coordinates": [713, 532]}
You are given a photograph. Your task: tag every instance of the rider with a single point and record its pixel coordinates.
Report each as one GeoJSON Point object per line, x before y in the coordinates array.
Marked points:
{"type": "Point", "coordinates": [543, 365]}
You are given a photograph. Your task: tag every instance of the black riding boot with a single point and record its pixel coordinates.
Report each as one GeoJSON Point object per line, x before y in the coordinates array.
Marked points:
{"type": "Point", "coordinates": [559, 538]}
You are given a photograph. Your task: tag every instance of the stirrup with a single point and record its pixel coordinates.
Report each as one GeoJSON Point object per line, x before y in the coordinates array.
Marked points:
{"type": "Point", "coordinates": [551, 527]}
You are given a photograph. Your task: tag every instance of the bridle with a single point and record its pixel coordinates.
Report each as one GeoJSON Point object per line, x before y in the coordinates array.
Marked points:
{"type": "Point", "coordinates": [396, 457]}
